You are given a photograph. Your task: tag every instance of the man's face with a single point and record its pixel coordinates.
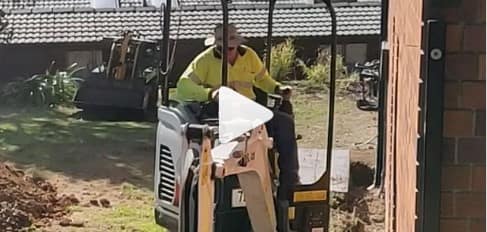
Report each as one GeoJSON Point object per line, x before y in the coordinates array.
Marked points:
{"type": "Point", "coordinates": [232, 53]}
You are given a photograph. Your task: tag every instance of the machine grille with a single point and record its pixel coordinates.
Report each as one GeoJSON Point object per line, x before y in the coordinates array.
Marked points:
{"type": "Point", "coordinates": [167, 183]}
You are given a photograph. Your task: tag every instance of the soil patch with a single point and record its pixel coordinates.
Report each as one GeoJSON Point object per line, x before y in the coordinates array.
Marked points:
{"type": "Point", "coordinates": [358, 210]}
{"type": "Point", "coordinates": [27, 200]}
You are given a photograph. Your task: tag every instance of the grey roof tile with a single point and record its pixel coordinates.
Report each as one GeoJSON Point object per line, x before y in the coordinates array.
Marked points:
{"type": "Point", "coordinates": [204, 7]}
{"type": "Point", "coordinates": [92, 25]}
{"type": "Point", "coordinates": [131, 3]}
{"type": "Point", "coordinates": [83, 9]}
{"type": "Point", "coordinates": [42, 10]}
{"type": "Point", "coordinates": [62, 9]}
{"type": "Point", "coordinates": [36, 4]}
{"type": "Point", "coordinates": [246, 6]}
{"type": "Point", "coordinates": [20, 11]}
{"type": "Point", "coordinates": [125, 9]}
{"type": "Point", "coordinates": [237, 2]}
{"type": "Point", "coordinates": [105, 9]}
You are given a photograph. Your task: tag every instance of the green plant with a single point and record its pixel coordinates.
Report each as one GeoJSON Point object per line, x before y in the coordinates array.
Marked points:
{"type": "Point", "coordinates": [283, 57]}
{"type": "Point", "coordinates": [318, 73]}
{"type": "Point", "coordinates": [50, 88]}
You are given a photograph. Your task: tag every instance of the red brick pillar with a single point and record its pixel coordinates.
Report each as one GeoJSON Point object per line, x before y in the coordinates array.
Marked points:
{"type": "Point", "coordinates": [463, 158]}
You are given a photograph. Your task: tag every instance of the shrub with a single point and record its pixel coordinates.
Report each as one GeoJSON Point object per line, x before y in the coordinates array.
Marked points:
{"type": "Point", "coordinates": [48, 89]}
{"type": "Point", "coordinates": [283, 57]}
{"type": "Point", "coordinates": [318, 73]}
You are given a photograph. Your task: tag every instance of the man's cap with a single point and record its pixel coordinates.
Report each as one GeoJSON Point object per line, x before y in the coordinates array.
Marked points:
{"type": "Point", "coordinates": [234, 37]}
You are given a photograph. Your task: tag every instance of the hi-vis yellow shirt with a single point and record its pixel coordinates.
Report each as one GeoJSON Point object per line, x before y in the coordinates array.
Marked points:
{"type": "Point", "coordinates": [204, 73]}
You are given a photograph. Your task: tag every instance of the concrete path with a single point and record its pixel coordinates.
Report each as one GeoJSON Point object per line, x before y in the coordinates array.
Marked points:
{"type": "Point", "coordinates": [312, 164]}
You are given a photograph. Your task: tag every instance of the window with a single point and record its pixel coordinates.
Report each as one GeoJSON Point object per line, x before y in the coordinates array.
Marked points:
{"type": "Point", "coordinates": [328, 47]}
{"type": "Point", "coordinates": [88, 59]}
{"type": "Point", "coordinates": [356, 53]}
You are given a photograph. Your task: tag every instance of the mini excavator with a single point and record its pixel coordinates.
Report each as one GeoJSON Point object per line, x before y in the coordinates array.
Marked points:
{"type": "Point", "coordinates": [128, 83]}
{"type": "Point", "coordinates": [217, 174]}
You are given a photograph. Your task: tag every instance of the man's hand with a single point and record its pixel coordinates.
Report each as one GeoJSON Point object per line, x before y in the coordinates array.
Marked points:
{"type": "Point", "coordinates": [214, 95]}
{"type": "Point", "coordinates": [285, 91]}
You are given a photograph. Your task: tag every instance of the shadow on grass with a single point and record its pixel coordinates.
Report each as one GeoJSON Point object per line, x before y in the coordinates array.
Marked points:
{"type": "Point", "coordinates": [85, 150]}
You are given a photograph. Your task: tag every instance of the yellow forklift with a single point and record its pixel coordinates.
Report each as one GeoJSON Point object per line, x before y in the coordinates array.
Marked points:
{"type": "Point", "coordinates": [217, 174]}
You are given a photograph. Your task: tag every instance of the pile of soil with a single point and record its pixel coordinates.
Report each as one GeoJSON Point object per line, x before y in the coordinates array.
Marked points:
{"type": "Point", "coordinates": [27, 201]}
{"type": "Point", "coordinates": [358, 210]}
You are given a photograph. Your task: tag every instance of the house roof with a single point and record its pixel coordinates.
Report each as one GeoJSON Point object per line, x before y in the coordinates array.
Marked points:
{"type": "Point", "coordinates": [33, 4]}
{"type": "Point", "coordinates": [218, 2]}
{"type": "Point", "coordinates": [291, 20]}
{"type": "Point", "coordinates": [91, 25]}
{"type": "Point", "coordinates": [49, 4]}
{"type": "Point", "coordinates": [43, 4]}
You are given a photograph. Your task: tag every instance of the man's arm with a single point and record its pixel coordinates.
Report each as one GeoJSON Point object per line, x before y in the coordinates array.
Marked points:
{"type": "Point", "coordinates": [263, 79]}
{"type": "Point", "coordinates": [190, 86]}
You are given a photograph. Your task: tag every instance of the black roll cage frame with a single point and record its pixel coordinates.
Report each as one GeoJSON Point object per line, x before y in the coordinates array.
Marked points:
{"type": "Point", "coordinates": [165, 68]}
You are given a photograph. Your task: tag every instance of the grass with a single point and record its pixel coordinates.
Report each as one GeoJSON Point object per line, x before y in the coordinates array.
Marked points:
{"type": "Point", "coordinates": [311, 115]}
{"type": "Point", "coordinates": [128, 216]}
{"type": "Point", "coordinates": [132, 212]}
{"type": "Point", "coordinates": [114, 157]}
{"type": "Point", "coordinates": [52, 139]}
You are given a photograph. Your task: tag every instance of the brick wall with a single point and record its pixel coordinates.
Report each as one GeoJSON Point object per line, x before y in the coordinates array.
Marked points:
{"type": "Point", "coordinates": [464, 153]}
{"type": "Point", "coordinates": [463, 158]}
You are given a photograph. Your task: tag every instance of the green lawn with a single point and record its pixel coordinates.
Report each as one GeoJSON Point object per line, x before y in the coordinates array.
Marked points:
{"type": "Point", "coordinates": [114, 157]}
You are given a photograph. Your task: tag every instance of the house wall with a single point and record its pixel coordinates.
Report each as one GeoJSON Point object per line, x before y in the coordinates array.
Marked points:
{"type": "Point", "coordinates": [21, 61]}
{"type": "Point", "coordinates": [307, 47]}
{"type": "Point", "coordinates": [25, 60]}
{"type": "Point", "coordinates": [463, 157]}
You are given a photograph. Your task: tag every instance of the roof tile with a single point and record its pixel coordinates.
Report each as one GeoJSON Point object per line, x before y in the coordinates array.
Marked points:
{"type": "Point", "coordinates": [91, 25]}
{"type": "Point", "coordinates": [36, 4]}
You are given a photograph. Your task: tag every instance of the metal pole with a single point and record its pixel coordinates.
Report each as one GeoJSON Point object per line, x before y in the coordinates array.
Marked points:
{"type": "Point", "coordinates": [381, 129]}
{"type": "Point", "coordinates": [165, 51]}
{"type": "Point", "coordinates": [381, 143]}
{"type": "Point", "coordinates": [331, 101]}
{"type": "Point", "coordinates": [225, 42]}
{"type": "Point", "coordinates": [433, 125]}
{"type": "Point", "coordinates": [269, 35]}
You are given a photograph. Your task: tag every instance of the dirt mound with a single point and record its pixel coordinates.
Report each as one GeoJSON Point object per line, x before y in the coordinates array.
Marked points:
{"type": "Point", "coordinates": [25, 201]}
{"type": "Point", "coordinates": [358, 210]}
{"type": "Point", "coordinates": [361, 174]}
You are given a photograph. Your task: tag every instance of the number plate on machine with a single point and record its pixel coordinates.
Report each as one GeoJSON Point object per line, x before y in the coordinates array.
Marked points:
{"type": "Point", "coordinates": [238, 198]}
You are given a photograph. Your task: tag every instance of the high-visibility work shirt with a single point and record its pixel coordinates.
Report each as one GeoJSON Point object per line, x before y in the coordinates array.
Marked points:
{"type": "Point", "coordinates": [204, 74]}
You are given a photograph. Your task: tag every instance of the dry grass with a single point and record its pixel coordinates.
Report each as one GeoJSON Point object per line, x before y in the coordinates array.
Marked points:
{"type": "Point", "coordinates": [311, 114]}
